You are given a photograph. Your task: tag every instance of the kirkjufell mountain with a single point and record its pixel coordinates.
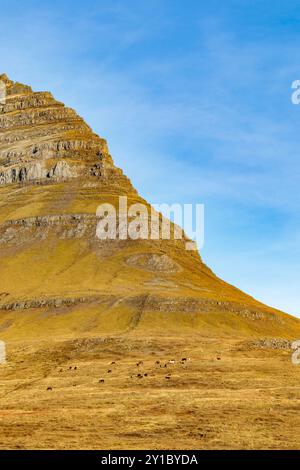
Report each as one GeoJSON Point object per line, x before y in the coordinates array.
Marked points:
{"type": "Point", "coordinates": [58, 278]}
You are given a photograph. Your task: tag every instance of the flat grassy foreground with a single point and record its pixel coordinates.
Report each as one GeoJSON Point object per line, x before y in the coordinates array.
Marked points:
{"type": "Point", "coordinates": [229, 395]}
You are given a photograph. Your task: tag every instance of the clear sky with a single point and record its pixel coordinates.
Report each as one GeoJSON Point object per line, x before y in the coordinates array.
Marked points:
{"type": "Point", "coordinates": [194, 98]}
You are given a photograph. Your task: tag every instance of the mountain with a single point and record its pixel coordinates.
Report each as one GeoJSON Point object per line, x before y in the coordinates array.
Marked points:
{"type": "Point", "coordinates": [58, 279]}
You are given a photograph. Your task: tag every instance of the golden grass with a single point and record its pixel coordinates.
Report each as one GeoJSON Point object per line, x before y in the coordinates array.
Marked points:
{"type": "Point", "coordinates": [248, 399]}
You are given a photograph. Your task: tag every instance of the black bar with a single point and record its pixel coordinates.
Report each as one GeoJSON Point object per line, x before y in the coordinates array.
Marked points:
{"type": "Point", "coordinates": [137, 458]}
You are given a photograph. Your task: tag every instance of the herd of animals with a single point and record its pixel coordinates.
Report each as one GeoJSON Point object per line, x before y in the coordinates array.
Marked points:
{"type": "Point", "coordinates": [183, 361]}
{"type": "Point", "coordinates": [139, 365]}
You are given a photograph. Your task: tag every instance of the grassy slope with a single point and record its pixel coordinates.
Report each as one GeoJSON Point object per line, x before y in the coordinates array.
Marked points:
{"type": "Point", "coordinates": [57, 268]}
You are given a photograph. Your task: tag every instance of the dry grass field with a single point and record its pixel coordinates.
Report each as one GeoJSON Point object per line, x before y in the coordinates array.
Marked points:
{"type": "Point", "coordinates": [232, 394]}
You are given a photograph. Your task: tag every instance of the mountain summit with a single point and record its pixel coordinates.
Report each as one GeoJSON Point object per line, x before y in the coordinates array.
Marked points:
{"type": "Point", "coordinates": [57, 278]}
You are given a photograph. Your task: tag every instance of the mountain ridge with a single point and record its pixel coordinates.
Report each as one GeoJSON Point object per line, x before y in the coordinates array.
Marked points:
{"type": "Point", "coordinates": [54, 173]}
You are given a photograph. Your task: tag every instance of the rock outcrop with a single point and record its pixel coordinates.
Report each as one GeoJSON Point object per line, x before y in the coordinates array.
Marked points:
{"type": "Point", "coordinates": [41, 139]}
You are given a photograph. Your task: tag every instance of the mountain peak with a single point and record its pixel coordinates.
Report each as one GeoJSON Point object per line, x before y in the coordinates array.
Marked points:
{"type": "Point", "coordinates": [14, 88]}
{"type": "Point", "coordinates": [38, 133]}
{"type": "Point", "coordinates": [54, 173]}
{"type": "Point", "coordinates": [4, 78]}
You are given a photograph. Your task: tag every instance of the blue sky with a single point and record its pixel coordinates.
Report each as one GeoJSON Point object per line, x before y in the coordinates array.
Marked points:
{"type": "Point", "coordinates": [194, 99]}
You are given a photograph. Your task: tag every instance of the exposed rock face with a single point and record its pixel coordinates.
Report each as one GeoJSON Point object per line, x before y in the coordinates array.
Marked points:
{"type": "Point", "coordinates": [154, 262]}
{"type": "Point", "coordinates": [23, 231]}
{"type": "Point", "coordinates": [266, 343]}
{"type": "Point", "coordinates": [54, 173]}
{"type": "Point", "coordinates": [42, 139]}
{"type": "Point", "coordinates": [37, 171]}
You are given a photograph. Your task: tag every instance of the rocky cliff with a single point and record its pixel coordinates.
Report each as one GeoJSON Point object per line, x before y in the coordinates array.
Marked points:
{"type": "Point", "coordinates": [42, 140]}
